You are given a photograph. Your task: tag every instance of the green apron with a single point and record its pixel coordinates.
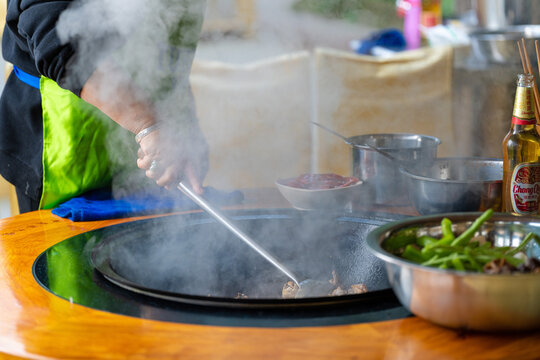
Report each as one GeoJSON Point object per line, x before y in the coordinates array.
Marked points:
{"type": "Point", "coordinates": [75, 159]}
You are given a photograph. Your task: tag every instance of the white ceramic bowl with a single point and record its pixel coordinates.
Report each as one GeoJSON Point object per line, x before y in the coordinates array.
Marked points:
{"type": "Point", "coordinates": [339, 198]}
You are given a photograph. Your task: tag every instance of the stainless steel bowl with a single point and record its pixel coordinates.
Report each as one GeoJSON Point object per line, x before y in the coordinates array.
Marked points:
{"type": "Point", "coordinates": [456, 184]}
{"type": "Point", "coordinates": [465, 300]}
{"type": "Point", "coordinates": [381, 173]}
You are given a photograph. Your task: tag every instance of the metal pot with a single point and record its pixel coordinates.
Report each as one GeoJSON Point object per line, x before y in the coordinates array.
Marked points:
{"type": "Point", "coordinates": [390, 187]}
{"type": "Point", "coordinates": [500, 46]}
{"type": "Point", "coordinates": [498, 14]}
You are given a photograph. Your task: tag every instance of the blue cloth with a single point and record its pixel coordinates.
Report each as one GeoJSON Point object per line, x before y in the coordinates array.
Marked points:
{"type": "Point", "coordinates": [26, 78]}
{"type": "Point", "coordinates": [391, 39]}
{"type": "Point", "coordinates": [99, 204]}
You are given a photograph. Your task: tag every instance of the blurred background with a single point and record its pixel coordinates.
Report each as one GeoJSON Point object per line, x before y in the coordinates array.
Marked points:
{"type": "Point", "coordinates": [265, 68]}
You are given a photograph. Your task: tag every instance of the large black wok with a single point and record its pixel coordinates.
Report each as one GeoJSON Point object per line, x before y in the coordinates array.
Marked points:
{"type": "Point", "coordinates": [191, 258]}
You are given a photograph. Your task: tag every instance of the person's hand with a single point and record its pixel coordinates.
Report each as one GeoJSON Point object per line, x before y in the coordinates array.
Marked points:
{"type": "Point", "coordinates": [169, 157]}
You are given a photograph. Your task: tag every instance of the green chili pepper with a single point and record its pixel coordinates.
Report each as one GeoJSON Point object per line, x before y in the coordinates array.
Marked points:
{"type": "Point", "coordinates": [523, 244]}
{"type": "Point", "coordinates": [446, 228]}
{"type": "Point", "coordinates": [444, 259]}
{"type": "Point", "coordinates": [431, 261]}
{"type": "Point", "coordinates": [467, 235]}
{"type": "Point", "coordinates": [413, 254]}
{"type": "Point", "coordinates": [474, 264]}
{"type": "Point", "coordinates": [458, 265]}
{"type": "Point", "coordinates": [513, 260]}
{"type": "Point", "coordinates": [444, 265]}
{"type": "Point", "coordinates": [400, 239]}
{"type": "Point", "coordinates": [447, 235]}
{"type": "Point", "coordinates": [425, 240]}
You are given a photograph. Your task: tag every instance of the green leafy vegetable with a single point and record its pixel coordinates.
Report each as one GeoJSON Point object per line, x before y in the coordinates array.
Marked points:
{"type": "Point", "coordinates": [462, 253]}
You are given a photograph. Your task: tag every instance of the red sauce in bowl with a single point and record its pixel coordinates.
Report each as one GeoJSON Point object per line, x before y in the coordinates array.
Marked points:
{"type": "Point", "coordinates": [320, 181]}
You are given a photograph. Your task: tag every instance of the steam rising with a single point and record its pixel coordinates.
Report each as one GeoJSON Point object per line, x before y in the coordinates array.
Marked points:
{"type": "Point", "coordinates": [154, 44]}
{"type": "Point", "coordinates": [155, 41]}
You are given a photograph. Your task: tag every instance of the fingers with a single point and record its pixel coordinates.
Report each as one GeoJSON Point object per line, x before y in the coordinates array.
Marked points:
{"type": "Point", "coordinates": [144, 163]}
{"type": "Point", "coordinates": [167, 177]}
{"type": "Point", "coordinates": [166, 162]}
{"type": "Point", "coordinates": [170, 177]}
{"type": "Point", "coordinates": [155, 170]}
{"type": "Point", "coordinates": [147, 151]}
{"type": "Point", "coordinates": [193, 179]}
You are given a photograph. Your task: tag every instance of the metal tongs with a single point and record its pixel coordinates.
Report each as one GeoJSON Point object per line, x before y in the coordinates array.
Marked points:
{"type": "Point", "coordinates": [306, 287]}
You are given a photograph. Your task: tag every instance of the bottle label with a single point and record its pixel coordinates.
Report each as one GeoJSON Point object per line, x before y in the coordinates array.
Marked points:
{"type": "Point", "coordinates": [523, 113]}
{"type": "Point", "coordinates": [525, 188]}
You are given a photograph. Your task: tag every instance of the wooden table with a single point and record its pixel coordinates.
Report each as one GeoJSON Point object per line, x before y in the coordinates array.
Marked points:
{"type": "Point", "coordinates": [36, 324]}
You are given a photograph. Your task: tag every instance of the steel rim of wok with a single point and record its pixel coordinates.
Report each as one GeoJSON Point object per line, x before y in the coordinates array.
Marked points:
{"type": "Point", "coordinates": [102, 264]}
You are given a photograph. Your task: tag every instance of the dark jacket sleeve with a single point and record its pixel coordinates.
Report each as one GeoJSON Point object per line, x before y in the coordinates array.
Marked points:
{"type": "Point", "coordinates": [31, 41]}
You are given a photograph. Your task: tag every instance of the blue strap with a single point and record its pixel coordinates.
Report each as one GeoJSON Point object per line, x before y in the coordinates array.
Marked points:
{"type": "Point", "coordinates": [26, 78]}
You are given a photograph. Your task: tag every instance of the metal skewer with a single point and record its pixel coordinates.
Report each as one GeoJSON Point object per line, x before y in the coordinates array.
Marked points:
{"type": "Point", "coordinates": [212, 211]}
{"type": "Point", "coordinates": [306, 287]}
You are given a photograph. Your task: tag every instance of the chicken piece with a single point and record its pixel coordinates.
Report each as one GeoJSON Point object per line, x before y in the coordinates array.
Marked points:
{"type": "Point", "coordinates": [530, 265]}
{"type": "Point", "coordinates": [357, 289]}
{"type": "Point", "coordinates": [289, 291]}
{"type": "Point", "coordinates": [338, 291]}
{"type": "Point", "coordinates": [498, 266]}
{"type": "Point", "coordinates": [335, 280]}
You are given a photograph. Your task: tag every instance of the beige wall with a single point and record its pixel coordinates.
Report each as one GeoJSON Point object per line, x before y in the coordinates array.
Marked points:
{"type": "Point", "coordinates": [256, 116]}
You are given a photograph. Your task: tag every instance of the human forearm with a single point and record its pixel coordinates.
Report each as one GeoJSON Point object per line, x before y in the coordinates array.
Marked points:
{"type": "Point", "coordinates": [114, 94]}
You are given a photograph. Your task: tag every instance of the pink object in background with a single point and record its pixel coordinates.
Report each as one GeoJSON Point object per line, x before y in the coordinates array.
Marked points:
{"type": "Point", "coordinates": [411, 24]}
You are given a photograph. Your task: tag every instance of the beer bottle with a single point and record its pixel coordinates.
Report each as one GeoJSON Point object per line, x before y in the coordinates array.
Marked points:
{"type": "Point", "coordinates": [521, 154]}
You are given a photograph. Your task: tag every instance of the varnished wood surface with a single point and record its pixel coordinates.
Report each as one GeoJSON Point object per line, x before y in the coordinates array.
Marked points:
{"type": "Point", "coordinates": [36, 324]}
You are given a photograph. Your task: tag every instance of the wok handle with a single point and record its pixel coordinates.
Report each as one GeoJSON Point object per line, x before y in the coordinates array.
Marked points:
{"type": "Point", "coordinates": [216, 214]}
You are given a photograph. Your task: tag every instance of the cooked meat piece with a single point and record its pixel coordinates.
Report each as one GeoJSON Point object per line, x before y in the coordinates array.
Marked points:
{"type": "Point", "coordinates": [338, 292]}
{"type": "Point", "coordinates": [335, 280]}
{"type": "Point", "coordinates": [357, 289]}
{"type": "Point", "coordinates": [531, 265]}
{"type": "Point", "coordinates": [241, 296]}
{"type": "Point", "coordinates": [289, 290]}
{"type": "Point", "coordinates": [498, 266]}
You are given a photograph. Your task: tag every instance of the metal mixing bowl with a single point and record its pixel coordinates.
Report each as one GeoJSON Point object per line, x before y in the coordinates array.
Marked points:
{"type": "Point", "coordinates": [456, 184]}
{"type": "Point", "coordinates": [465, 300]}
